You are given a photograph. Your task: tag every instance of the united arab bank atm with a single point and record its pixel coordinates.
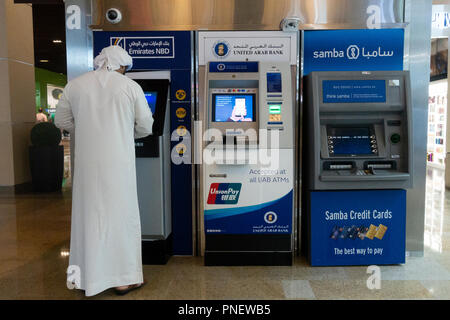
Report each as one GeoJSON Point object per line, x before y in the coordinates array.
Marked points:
{"type": "Point", "coordinates": [153, 170]}
{"type": "Point", "coordinates": [357, 164]}
{"type": "Point", "coordinates": [248, 177]}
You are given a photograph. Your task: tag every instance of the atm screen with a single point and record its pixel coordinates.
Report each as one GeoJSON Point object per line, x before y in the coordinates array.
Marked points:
{"type": "Point", "coordinates": [274, 82]}
{"type": "Point", "coordinates": [233, 107]}
{"type": "Point", "coordinates": [151, 100]}
{"type": "Point", "coordinates": [351, 141]}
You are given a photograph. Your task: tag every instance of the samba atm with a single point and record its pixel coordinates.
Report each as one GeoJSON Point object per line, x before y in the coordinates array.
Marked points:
{"type": "Point", "coordinates": [359, 165]}
{"type": "Point", "coordinates": [248, 163]}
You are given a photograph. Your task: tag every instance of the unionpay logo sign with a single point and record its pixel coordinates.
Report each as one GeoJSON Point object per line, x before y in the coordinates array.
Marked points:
{"type": "Point", "coordinates": [224, 193]}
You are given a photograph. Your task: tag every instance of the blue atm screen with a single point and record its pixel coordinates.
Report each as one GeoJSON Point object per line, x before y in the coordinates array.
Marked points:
{"type": "Point", "coordinates": [274, 82]}
{"type": "Point", "coordinates": [350, 141]}
{"type": "Point", "coordinates": [233, 107]}
{"type": "Point", "coordinates": [151, 100]}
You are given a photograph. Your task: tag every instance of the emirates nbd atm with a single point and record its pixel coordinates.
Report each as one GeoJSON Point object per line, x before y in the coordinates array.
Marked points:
{"type": "Point", "coordinates": [153, 170]}
{"type": "Point", "coordinates": [357, 166]}
{"type": "Point", "coordinates": [248, 157]}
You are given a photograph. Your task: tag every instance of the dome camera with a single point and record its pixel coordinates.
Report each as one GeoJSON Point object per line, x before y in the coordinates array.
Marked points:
{"type": "Point", "coordinates": [290, 24]}
{"type": "Point", "coordinates": [113, 15]}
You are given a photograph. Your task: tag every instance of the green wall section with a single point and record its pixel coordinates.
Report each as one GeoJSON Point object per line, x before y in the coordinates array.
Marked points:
{"type": "Point", "coordinates": [44, 77]}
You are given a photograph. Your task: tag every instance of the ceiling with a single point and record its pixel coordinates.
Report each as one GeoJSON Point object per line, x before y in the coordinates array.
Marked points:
{"type": "Point", "coordinates": [49, 25]}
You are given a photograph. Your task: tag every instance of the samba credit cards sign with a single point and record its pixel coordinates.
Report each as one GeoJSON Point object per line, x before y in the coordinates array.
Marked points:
{"type": "Point", "coordinates": [353, 50]}
{"type": "Point", "coordinates": [358, 227]}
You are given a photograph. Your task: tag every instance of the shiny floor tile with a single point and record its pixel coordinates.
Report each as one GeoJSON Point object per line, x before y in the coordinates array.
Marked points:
{"type": "Point", "coordinates": [298, 289]}
{"type": "Point", "coordinates": [439, 289]}
{"type": "Point", "coordinates": [358, 290]}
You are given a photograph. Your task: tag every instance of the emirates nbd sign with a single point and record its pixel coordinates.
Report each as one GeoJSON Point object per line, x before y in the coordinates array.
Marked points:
{"type": "Point", "coordinates": [353, 50]}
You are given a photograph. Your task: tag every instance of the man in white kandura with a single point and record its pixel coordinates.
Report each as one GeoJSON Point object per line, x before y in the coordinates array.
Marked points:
{"type": "Point", "coordinates": [105, 111]}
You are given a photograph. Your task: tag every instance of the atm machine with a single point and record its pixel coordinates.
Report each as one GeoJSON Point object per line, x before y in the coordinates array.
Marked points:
{"type": "Point", "coordinates": [357, 165]}
{"type": "Point", "coordinates": [247, 171]}
{"type": "Point", "coordinates": [153, 170]}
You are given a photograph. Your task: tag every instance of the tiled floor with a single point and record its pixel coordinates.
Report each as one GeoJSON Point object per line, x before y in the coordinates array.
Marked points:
{"type": "Point", "coordinates": [34, 233]}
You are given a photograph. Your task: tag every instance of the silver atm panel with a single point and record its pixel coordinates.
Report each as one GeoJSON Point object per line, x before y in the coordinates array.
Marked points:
{"type": "Point", "coordinates": [238, 128]}
{"type": "Point", "coordinates": [359, 145]}
{"type": "Point", "coordinates": [153, 173]}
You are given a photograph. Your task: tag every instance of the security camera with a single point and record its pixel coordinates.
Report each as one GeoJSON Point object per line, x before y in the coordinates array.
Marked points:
{"type": "Point", "coordinates": [290, 24]}
{"type": "Point", "coordinates": [113, 15]}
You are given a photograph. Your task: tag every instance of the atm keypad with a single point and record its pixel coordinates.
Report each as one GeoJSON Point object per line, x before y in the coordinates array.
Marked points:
{"type": "Point", "coordinates": [330, 145]}
{"type": "Point", "coordinates": [374, 144]}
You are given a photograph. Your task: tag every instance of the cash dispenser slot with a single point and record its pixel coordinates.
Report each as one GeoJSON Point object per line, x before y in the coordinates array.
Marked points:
{"type": "Point", "coordinates": [339, 165]}
{"type": "Point", "coordinates": [380, 165]}
{"type": "Point", "coordinates": [243, 141]}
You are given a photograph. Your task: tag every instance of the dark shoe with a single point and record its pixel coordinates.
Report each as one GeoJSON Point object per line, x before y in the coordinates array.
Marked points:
{"type": "Point", "coordinates": [130, 288]}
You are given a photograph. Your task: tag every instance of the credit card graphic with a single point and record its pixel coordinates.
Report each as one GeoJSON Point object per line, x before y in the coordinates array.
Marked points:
{"type": "Point", "coordinates": [372, 231]}
{"type": "Point", "coordinates": [362, 232]}
{"type": "Point", "coordinates": [336, 232]}
{"type": "Point", "coordinates": [381, 232]}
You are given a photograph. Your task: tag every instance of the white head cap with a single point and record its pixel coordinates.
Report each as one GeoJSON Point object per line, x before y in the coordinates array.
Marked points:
{"type": "Point", "coordinates": [112, 58]}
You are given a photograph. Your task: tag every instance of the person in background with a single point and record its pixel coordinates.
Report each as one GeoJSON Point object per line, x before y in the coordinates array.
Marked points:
{"type": "Point", "coordinates": [51, 117]}
{"type": "Point", "coordinates": [40, 116]}
{"type": "Point", "coordinates": [106, 111]}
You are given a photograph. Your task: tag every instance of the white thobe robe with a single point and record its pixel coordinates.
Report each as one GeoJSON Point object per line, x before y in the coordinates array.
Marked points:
{"type": "Point", "coordinates": [106, 111]}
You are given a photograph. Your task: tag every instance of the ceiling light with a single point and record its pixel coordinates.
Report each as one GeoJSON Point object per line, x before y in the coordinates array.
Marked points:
{"type": "Point", "coordinates": [65, 253]}
{"type": "Point", "coordinates": [57, 41]}
{"type": "Point", "coordinates": [43, 60]}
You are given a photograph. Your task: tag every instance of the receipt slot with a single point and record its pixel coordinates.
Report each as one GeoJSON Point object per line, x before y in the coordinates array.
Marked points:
{"type": "Point", "coordinates": [358, 163]}
{"type": "Point", "coordinates": [247, 171]}
{"type": "Point", "coordinates": [153, 171]}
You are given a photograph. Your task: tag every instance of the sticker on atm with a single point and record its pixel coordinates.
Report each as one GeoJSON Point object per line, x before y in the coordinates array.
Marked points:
{"type": "Point", "coordinates": [275, 109]}
{"type": "Point", "coordinates": [275, 117]}
{"type": "Point", "coordinates": [224, 193]}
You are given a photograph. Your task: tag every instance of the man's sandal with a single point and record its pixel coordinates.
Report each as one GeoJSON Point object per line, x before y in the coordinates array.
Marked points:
{"type": "Point", "coordinates": [130, 288]}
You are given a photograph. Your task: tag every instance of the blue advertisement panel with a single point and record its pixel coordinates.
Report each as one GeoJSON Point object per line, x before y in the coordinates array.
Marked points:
{"type": "Point", "coordinates": [354, 91]}
{"type": "Point", "coordinates": [358, 227]}
{"type": "Point", "coordinates": [167, 50]}
{"type": "Point", "coordinates": [353, 50]}
{"type": "Point", "coordinates": [252, 199]}
{"type": "Point", "coordinates": [269, 218]}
